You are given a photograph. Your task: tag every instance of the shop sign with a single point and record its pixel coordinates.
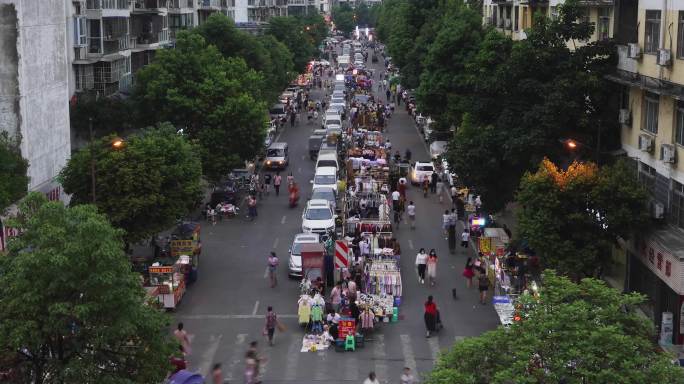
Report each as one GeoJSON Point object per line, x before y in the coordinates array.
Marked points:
{"type": "Point", "coordinates": [662, 264]}
{"type": "Point", "coordinates": [346, 326]}
{"type": "Point", "coordinates": [485, 245]}
{"type": "Point", "coordinates": [161, 270]}
{"type": "Point", "coordinates": [181, 247]}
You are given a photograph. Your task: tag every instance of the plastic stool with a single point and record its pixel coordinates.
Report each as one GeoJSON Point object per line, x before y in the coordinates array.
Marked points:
{"type": "Point", "coordinates": [395, 314]}
{"type": "Point", "coordinates": [349, 344]}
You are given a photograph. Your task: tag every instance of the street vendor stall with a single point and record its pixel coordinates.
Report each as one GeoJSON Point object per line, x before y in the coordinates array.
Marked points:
{"type": "Point", "coordinates": [170, 282]}
{"type": "Point", "coordinates": [185, 240]}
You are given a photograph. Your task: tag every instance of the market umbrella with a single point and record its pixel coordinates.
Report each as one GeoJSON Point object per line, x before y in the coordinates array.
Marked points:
{"type": "Point", "coordinates": [186, 377]}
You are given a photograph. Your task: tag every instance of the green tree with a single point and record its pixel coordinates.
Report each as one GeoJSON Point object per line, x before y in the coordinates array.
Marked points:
{"type": "Point", "coordinates": [343, 17]}
{"type": "Point", "coordinates": [13, 168]}
{"type": "Point", "coordinates": [572, 333]}
{"type": "Point", "coordinates": [71, 309]}
{"type": "Point", "coordinates": [218, 102]}
{"type": "Point", "coordinates": [142, 187]}
{"type": "Point", "coordinates": [110, 115]}
{"type": "Point", "coordinates": [315, 27]}
{"type": "Point", "coordinates": [532, 92]}
{"type": "Point", "coordinates": [572, 217]}
{"type": "Point", "coordinates": [291, 32]}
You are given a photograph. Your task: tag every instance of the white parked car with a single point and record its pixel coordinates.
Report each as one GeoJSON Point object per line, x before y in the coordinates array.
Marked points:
{"type": "Point", "coordinates": [318, 217]}
{"type": "Point", "coordinates": [325, 193]}
{"type": "Point", "coordinates": [295, 263]}
{"type": "Point", "coordinates": [331, 118]}
{"type": "Point", "coordinates": [325, 177]}
{"type": "Point", "coordinates": [421, 170]}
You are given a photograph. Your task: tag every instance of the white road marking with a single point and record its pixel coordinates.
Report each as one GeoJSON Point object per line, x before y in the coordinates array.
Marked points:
{"type": "Point", "coordinates": [282, 221]}
{"type": "Point", "coordinates": [275, 242]}
{"type": "Point", "coordinates": [299, 170]}
{"type": "Point", "coordinates": [303, 157]}
{"type": "Point", "coordinates": [407, 351]}
{"type": "Point", "coordinates": [434, 347]}
{"type": "Point", "coordinates": [231, 317]}
{"type": "Point", "coordinates": [351, 368]}
{"type": "Point", "coordinates": [266, 273]}
{"type": "Point", "coordinates": [321, 367]}
{"type": "Point", "coordinates": [235, 357]}
{"type": "Point", "coordinates": [379, 356]}
{"type": "Point", "coordinates": [209, 354]}
{"type": "Point", "coordinates": [293, 358]}
{"type": "Point", "coordinates": [256, 308]}
{"type": "Point", "coordinates": [410, 243]}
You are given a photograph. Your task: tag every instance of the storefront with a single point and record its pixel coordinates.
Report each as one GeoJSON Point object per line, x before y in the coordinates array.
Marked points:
{"type": "Point", "coordinates": [656, 269]}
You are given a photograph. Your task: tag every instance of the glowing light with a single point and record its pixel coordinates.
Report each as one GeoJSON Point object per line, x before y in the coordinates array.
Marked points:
{"type": "Point", "coordinates": [572, 144]}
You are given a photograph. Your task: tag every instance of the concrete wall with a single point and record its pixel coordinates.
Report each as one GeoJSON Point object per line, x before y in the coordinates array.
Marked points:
{"type": "Point", "coordinates": [41, 75]}
{"type": "Point", "coordinates": [9, 70]}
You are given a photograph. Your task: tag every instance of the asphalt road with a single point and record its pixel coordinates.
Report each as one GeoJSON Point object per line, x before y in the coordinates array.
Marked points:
{"type": "Point", "coordinates": [224, 310]}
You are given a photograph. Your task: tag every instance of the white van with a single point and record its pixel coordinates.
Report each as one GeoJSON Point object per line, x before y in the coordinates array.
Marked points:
{"type": "Point", "coordinates": [325, 177]}
{"type": "Point", "coordinates": [331, 118]}
{"type": "Point", "coordinates": [277, 156]}
{"type": "Point", "coordinates": [327, 158]}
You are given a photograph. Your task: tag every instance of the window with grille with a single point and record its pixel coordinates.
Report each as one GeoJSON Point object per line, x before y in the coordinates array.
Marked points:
{"type": "Point", "coordinates": [679, 123]}
{"type": "Point", "coordinates": [680, 35]}
{"type": "Point", "coordinates": [603, 27]}
{"type": "Point", "coordinates": [651, 101]}
{"type": "Point", "coordinates": [677, 204]}
{"type": "Point", "coordinates": [647, 176]}
{"type": "Point", "coordinates": [652, 32]}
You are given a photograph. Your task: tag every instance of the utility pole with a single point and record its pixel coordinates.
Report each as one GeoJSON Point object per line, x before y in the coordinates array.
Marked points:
{"type": "Point", "coordinates": [92, 160]}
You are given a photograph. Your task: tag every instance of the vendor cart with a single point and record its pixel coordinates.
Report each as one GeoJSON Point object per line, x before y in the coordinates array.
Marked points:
{"type": "Point", "coordinates": [185, 240]}
{"type": "Point", "coordinates": [313, 265]}
{"type": "Point", "coordinates": [170, 284]}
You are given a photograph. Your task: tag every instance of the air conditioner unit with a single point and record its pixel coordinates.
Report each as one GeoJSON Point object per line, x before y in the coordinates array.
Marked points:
{"type": "Point", "coordinates": [657, 210]}
{"type": "Point", "coordinates": [664, 57]}
{"type": "Point", "coordinates": [668, 153]}
{"type": "Point", "coordinates": [645, 143]}
{"type": "Point", "coordinates": [625, 116]}
{"type": "Point", "coordinates": [633, 50]}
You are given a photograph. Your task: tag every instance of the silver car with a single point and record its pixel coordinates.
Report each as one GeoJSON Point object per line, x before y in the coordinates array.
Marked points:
{"type": "Point", "coordinates": [295, 262]}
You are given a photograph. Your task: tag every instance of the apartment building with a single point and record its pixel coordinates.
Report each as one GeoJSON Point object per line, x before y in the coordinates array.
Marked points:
{"type": "Point", "coordinates": [650, 71]}
{"type": "Point", "coordinates": [513, 17]}
{"type": "Point", "coordinates": [34, 99]}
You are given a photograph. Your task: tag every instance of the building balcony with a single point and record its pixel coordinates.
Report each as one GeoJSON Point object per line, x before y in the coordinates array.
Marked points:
{"type": "Point", "coordinates": [100, 46]}
{"type": "Point", "coordinates": [532, 2]}
{"type": "Point", "coordinates": [596, 3]}
{"type": "Point", "coordinates": [210, 5]}
{"type": "Point", "coordinates": [97, 9]}
{"type": "Point", "coordinates": [152, 39]}
{"type": "Point", "coordinates": [177, 5]}
{"type": "Point", "coordinates": [150, 6]}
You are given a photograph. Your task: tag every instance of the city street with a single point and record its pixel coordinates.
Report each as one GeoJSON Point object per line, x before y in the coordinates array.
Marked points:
{"type": "Point", "coordinates": [224, 310]}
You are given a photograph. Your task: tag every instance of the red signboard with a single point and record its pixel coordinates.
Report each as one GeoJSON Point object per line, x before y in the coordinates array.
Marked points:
{"type": "Point", "coordinates": [346, 326]}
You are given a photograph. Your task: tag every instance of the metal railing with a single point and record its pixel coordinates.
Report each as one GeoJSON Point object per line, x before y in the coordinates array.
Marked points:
{"type": "Point", "coordinates": [210, 3]}
{"type": "Point", "coordinates": [153, 38]}
{"type": "Point", "coordinates": [181, 4]}
{"type": "Point", "coordinates": [107, 4]}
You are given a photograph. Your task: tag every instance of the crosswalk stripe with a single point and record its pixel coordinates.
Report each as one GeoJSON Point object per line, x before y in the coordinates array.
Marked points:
{"type": "Point", "coordinates": [321, 367]}
{"type": "Point", "coordinates": [293, 358]}
{"type": "Point", "coordinates": [238, 350]}
{"type": "Point", "coordinates": [407, 351]}
{"type": "Point", "coordinates": [351, 368]}
{"type": "Point", "coordinates": [434, 347]}
{"type": "Point", "coordinates": [265, 353]}
{"type": "Point", "coordinates": [209, 354]}
{"type": "Point", "coordinates": [380, 356]}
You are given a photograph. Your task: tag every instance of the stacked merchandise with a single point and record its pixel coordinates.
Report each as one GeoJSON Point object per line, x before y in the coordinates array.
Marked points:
{"type": "Point", "coordinates": [381, 305]}
{"type": "Point", "coordinates": [383, 277]}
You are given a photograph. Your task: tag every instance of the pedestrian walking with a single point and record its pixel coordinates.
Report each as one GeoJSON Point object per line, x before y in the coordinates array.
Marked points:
{"type": "Point", "coordinates": [451, 231]}
{"type": "Point", "coordinates": [446, 218]}
{"type": "Point", "coordinates": [465, 238]}
{"type": "Point", "coordinates": [336, 296]}
{"type": "Point", "coordinates": [182, 336]}
{"type": "Point", "coordinates": [217, 374]}
{"type": "Point", "coordinates": [433, 182]}
{"type": "Point", "coordinates": [469, 272]}
{"type": "Point", "coordinates": [432, 267]}
{"type": "Point", "coordinates": [371, 379]}
{"type": "Point", "coordinates": [411, 211]}
{"type": "Point", "coordinates": [421, 264]}
{"type": "Point", "coordinates": [277, 180]}
{"type": "Point", "coordinates": [454, 195]}
{"type": "Point", "coordinates": [388, 93]}
{"type": "Point", "coordinates": [440, 187]}
{"type": "Point", "coordinates": [251, 207]}
{"type": "Point", "coordinates": [483, 285]}
{"type": "Point", "coordinates": [426, 186]}
{"type": "Point", "coordinates": [396, 195]}
{"type": "Point", "coordinates": [407, 377]}
{"type": "Point", "coordinates": [271, 324]}
{"type": "Point", "coordinates": [272, 267]}
{"type": "Point", "coordinates": [430, 316]}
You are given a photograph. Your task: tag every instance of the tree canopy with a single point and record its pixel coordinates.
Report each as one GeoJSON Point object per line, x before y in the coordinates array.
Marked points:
{"type": "Point", "coordinates": [572, 334]}
{"type": "Point", "coordinates": [142, 187]}
{"type": "Point", "coordinates": [13, 169]}
{"type": "Point", "coordinates": [292, 31]}
{"type": "Point", "coordinates": [71, 309]}
{"type": "Point", "coordinates": [217, 101]}
{"type": "Point", "coordinates": [571, 217]}
{"type": "Point", "coordinates": [343, 17]}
